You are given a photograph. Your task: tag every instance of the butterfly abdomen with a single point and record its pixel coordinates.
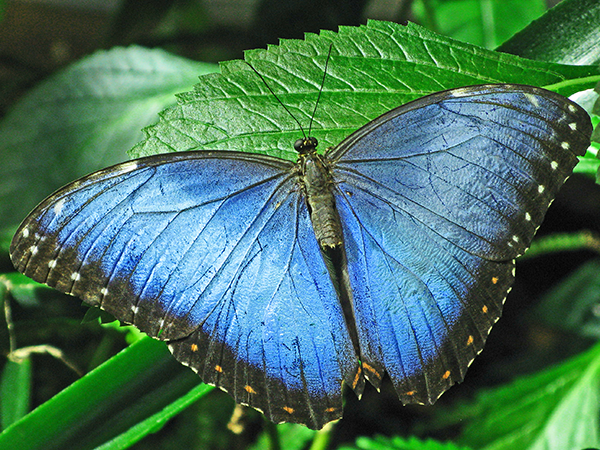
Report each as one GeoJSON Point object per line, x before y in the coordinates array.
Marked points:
{"type": "Point", "coordinates": [317, 183]}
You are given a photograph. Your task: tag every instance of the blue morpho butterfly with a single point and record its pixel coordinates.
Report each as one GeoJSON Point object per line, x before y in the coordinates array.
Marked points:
{"type": "Point", "coordinates": [422, 212]}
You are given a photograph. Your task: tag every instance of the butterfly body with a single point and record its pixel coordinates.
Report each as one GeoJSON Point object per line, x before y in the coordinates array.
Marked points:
{"type": "Point", "coordinates": [219, 253]}
{"type": "Point", "coordinates": [317, 184]}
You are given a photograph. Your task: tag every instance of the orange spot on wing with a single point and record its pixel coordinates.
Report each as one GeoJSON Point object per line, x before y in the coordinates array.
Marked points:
{"type": "Point", "coordinates": [494, 280]}
{"type": "Point", "coordinates": [410, 393]}
{"type": "Point", "coordinates": [288, 410]}
{"type": "Point", "coordinates": [484, 309]}
{"type": "Point", "coordinates": [330, 409]}
{"type": "Point", "coordinates": [470, 340]}
{"type": "Point", "coordinates": [446, 375]}
{"type": "Point", "coordinates": [219, 369]}
{"type": "Point", "coordinates": [249, 389]}
{"type": "Point", "coordinates": [371, 370]}
{"type": "Point", "coordinates": [194, 347]}
{"type": "Point", "coordinates": [356, 378]}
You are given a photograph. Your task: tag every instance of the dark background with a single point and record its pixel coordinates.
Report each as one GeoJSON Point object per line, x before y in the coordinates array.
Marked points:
{"type": "Point", "coordinates": [38, 37]}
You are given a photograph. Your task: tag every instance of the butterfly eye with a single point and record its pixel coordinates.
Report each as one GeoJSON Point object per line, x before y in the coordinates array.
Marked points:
{"type": "Point", "coordinates": [305, 145]}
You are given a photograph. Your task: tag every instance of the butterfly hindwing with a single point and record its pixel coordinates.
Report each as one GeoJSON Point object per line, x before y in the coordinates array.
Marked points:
{"type": "Point", "coordinates": [214, 253]}
{"type": "Point", "coordinates": [437, 198]}
{"type": "Point", "coordinates": [410, 291]}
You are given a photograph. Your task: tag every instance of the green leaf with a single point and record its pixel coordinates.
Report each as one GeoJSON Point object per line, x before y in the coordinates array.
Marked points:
{"type": "Point", "coordinates": [82, 119]}
{"type": "Point", "coordinates": [556, 409]}
{"type": "Point", "coordinates": [399, 443]}
{"type": "Point", "coordinates": [589, 164]}
{"type": "Point", "coordinates": [373, 69]}
{"type": "Point", "coordinates": [562, 242]}
{"type": "Point", "coordinates": [292, 437]}
{"type": "Point", "coordinates": [572, 305]}
{"type": "Point", "coordinates": [15, 391]}
{"type": "Point", "coordinates": [129, 396]}
{"type": "Point", "coordinates": [485, 23]}
{"type": "Point", "coordinates": [568, 34]}
{"type": "Point", "coordinates": [22, 289]}
{"type": "Point", "coordinates": [156, 421]}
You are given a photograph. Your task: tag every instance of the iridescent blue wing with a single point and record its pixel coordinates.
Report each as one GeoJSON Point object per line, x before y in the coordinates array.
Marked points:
{"type": "Point", "coordinates": [437, 198]}
{"type": "Point", "coordinates": [214, 253]}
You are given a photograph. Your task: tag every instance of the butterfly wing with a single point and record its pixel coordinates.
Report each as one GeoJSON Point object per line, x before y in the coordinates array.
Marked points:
{"type": "Point", "coordinates": [214, 253]}
{"type": "Point", "coordinates": [437, 198]}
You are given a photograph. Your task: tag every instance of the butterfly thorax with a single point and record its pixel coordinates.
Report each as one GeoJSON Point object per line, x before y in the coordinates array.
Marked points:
{"type": "Point", "coordinates": [317, 183]}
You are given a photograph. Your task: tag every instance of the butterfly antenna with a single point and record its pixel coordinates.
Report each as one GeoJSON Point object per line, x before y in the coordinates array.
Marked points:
{"type": "Point", "coordinates": [320, 89]}
{"type": "Point", "coordinates": [275, 95]}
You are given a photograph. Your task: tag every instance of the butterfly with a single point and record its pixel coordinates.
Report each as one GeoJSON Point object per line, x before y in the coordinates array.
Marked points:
{"type": "Point", "coordinates": [280, 282]}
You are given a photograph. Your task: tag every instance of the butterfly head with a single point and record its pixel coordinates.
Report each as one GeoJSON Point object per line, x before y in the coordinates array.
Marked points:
{"type": "Point", "coordinates": [306, 145]}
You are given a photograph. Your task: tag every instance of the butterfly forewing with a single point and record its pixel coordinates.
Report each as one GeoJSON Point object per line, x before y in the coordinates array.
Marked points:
{"type": "Point", "coordinates": [122, 229]}
{"type": "Point", "coordinates": [436, 199]}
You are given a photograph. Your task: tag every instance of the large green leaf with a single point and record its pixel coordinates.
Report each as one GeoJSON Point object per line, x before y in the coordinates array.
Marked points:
{"type": "Point", "coordinates": [557, 409]}
{"type": "Point", "coordinates": [373, 69]}
{"type": "Point", "coordinates": [398, 443]}
{"type": "Point", "coordinates": [569, 34]}
{"type": "Point", "coordinates": [15, 391]}
{"type": "Point", "coordinates": [130, 396]}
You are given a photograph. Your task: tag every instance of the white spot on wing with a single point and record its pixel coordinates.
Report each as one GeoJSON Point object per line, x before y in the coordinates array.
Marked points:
{"type": "Point", "coordinates": [573, 126]}
{"type": "Point", "coordinates": [25, 232]}
{"type": "Point", "coordinates": [75, 276]}
{"type": "Point", "coordinates": [533, 100]}
{"type": "Point", "coordinates": [528, 217]}
{"type": "Point", "coordinates": [541, 188]}
{"type": "Point", "coordinates": [52, 263]}
{"type": "Point", "coordinates": [565, 145]}
{"type": "Point", "coordinates": [58, 206]}
{"type": "Point", "coordinates": [572, 108]}
{"type": "Point", "coordinates": [515, 238]}
{"type": "Point", "coordinates": [134, 309]}
{"type": "Point", "coordinates": [103, 292]}
{"type": "Point", "coordinates": [33, 250]}
{"type": "Point", "coordinates": [554, 165]}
